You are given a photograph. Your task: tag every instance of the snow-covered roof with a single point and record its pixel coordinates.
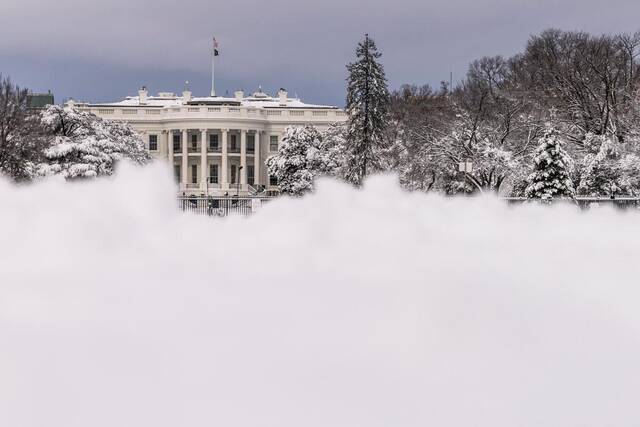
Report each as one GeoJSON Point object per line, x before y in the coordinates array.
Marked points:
{"type": "Point", "coordinates": [258, 100]}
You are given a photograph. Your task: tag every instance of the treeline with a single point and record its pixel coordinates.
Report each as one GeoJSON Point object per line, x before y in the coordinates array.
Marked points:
{"type": "Point", "coordinates": [584, 89]}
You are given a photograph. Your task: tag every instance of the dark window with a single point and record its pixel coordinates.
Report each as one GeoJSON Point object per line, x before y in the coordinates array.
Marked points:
{"type": "Point", "coordinates": [251, 143]}
{"type": "Point", "coordinates": [273, 143]}
{"type": "Point", "coordinates": [250, 173]}
{"type": "Point", "coordinates": [153, 142]}
{"type": "Point", "coordinates": [194, 142]}
{"type": "Point", "coordinates": [176, 172]}
{"type": "Point", "coordinates": [233, 174]}
{"type": "Point", "coordinates": [194, 174]}
{"type": "Point", "coordinates": [213, 142]}
{"type": "Point", "coordinates": [273, 180]}
{"type": "Point", "coordinates": [176, 142]}
{"type": "Point", "coordinates": [213, 174]}
{"type": "Point", "coordinates": [233, 143]}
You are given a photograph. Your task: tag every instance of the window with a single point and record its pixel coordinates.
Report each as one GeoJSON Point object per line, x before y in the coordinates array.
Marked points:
{"type": "Point", "coordinates": [273, 143]}
{"type": "Point", "coordinates": [233, 143]}
{"type": "Point", "coordinates": [273, 180]}
{"type": "Point", "coordinates": [153, 142]}
{"type": "Point", "coordinates": [176, 142]}
{"type": "Point", "coordinates": [213, 143]}
{"type": "Point", "coordinates": [194, 174]}
{"type": "Point", "coordinates": [194, 142]}
{"type": "Point", "coordinates": [250, 173]}
{"type": "Point", "coordinates": [233, 174]}
{"type": "Point", "coordinates": [251, 141]}
{"type": "Point", "coordinates": [176, 173]}
{"type": "Point", "coordinates": [213, 174]}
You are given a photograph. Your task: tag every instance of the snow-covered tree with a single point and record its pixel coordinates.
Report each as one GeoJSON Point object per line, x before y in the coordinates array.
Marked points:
{"type": "Point", "coordinates": [334, 143]}
{"type": "Point", "coordinates": [85, 145]}
{"type": "Point", "coordinates": [551, 170]}
{"type": "Point", "coordinates": [630, 166]}
{"type": "Point", "coordinates": [368, 101]}
{"type": "Point", "coordinates": [434, 163]}
{"type": "Point", "coordinates": [21, 141]}
{"type": "Point", "coordinates": [601, 173]}
{"type": "Point", "coordinates": [302, 156]}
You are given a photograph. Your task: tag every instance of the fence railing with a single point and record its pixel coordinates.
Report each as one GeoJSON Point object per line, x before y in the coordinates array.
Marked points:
{"type": "Point", "coordinates": [221, 206]}
{"type": "Point", "coordinates": [584, 202]}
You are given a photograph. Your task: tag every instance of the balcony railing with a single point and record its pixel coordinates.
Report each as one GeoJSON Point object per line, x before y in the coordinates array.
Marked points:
{"type": "Point", "coordinates": [217, 111]}
{"type": "Point", "coordinates": [214, 149]}
{"type": "Point", "coordinates": [194, 148]}
{"type": "Point", "coordinates": [232, 149]}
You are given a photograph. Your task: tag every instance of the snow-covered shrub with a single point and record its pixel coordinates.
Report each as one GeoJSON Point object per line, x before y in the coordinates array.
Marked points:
{"type": "Point", "coordinates": [85, 145]}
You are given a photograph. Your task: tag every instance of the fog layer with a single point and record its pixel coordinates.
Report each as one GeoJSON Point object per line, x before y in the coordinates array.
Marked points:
{"type": "Point", "coordinates": [345, 308]}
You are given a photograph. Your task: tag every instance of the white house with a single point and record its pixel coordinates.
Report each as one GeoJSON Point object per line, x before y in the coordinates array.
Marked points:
{"type": "Point", "coordinates": [217, 145]}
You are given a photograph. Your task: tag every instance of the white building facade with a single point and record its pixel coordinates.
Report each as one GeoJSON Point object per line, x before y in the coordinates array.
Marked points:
{"type": "Point", "coordinates": [216, 145]}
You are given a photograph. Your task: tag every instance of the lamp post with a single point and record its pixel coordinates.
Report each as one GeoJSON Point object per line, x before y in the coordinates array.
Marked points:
{"type": "Point", "coordinates": [465, 167]}
{"type": "Point", "coordinates": [238, 181]}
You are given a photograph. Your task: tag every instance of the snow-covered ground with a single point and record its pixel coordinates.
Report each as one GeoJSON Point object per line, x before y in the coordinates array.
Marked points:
{"type": "Point", "coordinates": [345, 308]}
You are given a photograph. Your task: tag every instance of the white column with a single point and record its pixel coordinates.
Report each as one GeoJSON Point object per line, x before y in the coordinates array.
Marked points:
{"type": "Point", "coordinates": [170, 150]}
{"type": "Point", "coordinates": [203, 160]}
{"type": "Point", "coordinates": [161, 144]}
{"type": "Point", "coordinates": [185, 161]}
{"type": "Point", "coordinates": [243, 160]}
{"type": "Point", "coordinates": [224, 179]}
{"type": "Point", "coordinates": [145, 139]}
{"type": "Point", "coordinates": [256, 159]}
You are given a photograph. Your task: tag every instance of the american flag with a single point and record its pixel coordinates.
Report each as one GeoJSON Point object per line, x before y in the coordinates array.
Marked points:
{"type": "Point", "coordinates": [215, 47]}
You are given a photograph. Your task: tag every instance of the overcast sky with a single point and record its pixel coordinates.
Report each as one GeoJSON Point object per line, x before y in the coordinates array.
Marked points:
{"type": "Point", "coordinates": [104, 50]}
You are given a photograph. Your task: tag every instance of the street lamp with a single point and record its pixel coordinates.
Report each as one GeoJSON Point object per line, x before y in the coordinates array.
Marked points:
{"type": "Point", "coordinates": [466, 167]}
{"type": "Point", "coordinates": [238, 181]}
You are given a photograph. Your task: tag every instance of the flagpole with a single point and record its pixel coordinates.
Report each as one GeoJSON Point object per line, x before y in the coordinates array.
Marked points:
{"type": "Point", "coordinates": [213, 70]}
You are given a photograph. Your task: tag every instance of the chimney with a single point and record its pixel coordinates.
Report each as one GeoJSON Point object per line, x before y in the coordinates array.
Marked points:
{"type": "Point", "coordinates": [142, 95]}
{"type": "Point", "coordinates": [239, 94]}
{"type": "Point", "coordinates": [282, 94]}
{"type": "Point", "coordinates": [186, 95]}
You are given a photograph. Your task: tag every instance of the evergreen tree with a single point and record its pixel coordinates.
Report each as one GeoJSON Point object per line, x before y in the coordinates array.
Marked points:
{"type": "Point", "coordinates": [303, 155]}
{"type": "Point", "coordinates": [368, 102]}
{"type": "Point", "coordinates": [551, 172]}
{"type": "Point", "coordinates": [86, 146]}
{"type": "Point", "coordinates": [602, 169]}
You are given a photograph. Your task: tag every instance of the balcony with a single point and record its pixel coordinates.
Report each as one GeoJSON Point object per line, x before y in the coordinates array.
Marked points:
{"type": "Point", "coordinates": [214, 149]}
{"type": "Point", "coordinates": [194, 148]}
{"type": "Point", "coordinates": [233, 149]}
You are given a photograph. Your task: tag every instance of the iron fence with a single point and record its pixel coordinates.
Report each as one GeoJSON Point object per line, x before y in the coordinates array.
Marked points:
{"type": "Point", "coordinates": [221, 206]}
{"type": "Point", "coordinates": [584, 203]}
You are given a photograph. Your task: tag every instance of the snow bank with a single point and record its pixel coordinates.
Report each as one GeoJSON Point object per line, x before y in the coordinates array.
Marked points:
{"type": "Point", "coordinates": [371, 308]}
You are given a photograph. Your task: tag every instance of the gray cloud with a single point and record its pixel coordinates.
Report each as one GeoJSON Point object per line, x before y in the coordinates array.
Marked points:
{"type": "Point", "coordinates": [299, 44]}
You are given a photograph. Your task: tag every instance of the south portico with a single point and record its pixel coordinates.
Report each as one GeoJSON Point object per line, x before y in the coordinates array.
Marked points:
{"type": "Point", "coordinates": [216, 161]}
